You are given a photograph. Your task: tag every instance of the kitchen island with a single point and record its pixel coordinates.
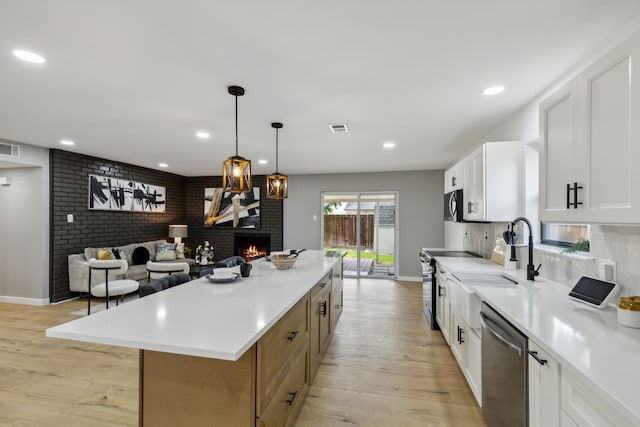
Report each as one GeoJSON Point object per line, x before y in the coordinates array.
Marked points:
{"type": "Point", "coordinates": [224, 354]}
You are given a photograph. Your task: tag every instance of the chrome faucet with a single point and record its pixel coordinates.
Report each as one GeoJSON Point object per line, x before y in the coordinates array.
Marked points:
{"type": "Point", "coordinates": [532, 272]}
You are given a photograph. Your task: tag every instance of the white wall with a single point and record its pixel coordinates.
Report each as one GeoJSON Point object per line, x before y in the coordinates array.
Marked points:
{"type": "Point", "coordinates": [24, 228]}
{"type": "Point", "coordinates": [419, 214]}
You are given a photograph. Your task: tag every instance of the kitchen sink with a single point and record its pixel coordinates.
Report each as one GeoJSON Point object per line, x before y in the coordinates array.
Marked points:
{"type": "Point", "coordinates": [462, 294]}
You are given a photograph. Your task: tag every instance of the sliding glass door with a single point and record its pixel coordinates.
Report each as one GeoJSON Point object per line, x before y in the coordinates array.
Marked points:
{"type": "Point", "coordinates": [364, 225]}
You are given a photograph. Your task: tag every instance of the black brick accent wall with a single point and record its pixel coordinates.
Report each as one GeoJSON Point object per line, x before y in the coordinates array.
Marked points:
{"type": "Point", "coordinates": [222, 237]}
{"type": "Point", "coordinates": [185, 205]}
{"type": "Point", "coordinates": [70, 195]}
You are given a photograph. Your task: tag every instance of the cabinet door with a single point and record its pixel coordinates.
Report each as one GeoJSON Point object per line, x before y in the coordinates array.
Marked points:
{"type": "Point", "coordinates": [585, 406]}
{"type": "Point", "coordinates": [609, 95]}
{"type": "Point", "coordinates": [473, 366]}
{"type": "Point", "coordinates": [474, 186]}
{"type": "Point", "coordinates": [457, 340]}
{"type": "Point", "coordinates": [442, 309]}
{"type": "Point", "coordinates": [544, 389]}
{"type": "Point", "coordinates": [453, 178]}
{"type": "Point", "coordinates": [336, 301]}
{"type": "Point", "coordinates": [558, 135]}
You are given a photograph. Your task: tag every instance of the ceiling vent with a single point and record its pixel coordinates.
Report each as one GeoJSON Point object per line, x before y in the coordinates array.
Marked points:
{"type": "Point", "coordinates": [341, 128]}
{"type": "Point", "coordinates": [10, 150]}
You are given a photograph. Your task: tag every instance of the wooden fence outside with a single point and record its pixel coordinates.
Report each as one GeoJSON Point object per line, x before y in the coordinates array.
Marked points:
{"type": "Point", "coordinates": [340, 230]}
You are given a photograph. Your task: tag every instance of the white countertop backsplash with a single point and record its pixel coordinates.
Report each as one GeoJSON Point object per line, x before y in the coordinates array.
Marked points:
{"type": "Point", "coordinates": [585, 339]}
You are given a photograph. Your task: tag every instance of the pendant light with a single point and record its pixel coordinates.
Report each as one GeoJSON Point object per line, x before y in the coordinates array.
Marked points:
{"type": "Point", "coordinates": [236, 176]}
{"type": "Point", "coordinates": [277, 184]}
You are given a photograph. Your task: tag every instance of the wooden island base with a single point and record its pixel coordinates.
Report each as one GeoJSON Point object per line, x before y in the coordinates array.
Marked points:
{"type": "Point", "coordinates": [196, 391]}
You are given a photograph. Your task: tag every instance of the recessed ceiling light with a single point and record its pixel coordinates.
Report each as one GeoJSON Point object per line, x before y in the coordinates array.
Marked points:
{"type": "Point", "coordinates": [163, 165]}
{"type": "Point", "coordinates": [67, 142]}
{"type": "Point", "coordinates": [25, 55]}
{"type": "Point", "coordinates": [389, 144]}
{"type": "Point", "coordinates": [262, 161]}
{"type": "Point", "coordinates": [203, 135]}
{"type": "Point", "coordinates": [493, 90]}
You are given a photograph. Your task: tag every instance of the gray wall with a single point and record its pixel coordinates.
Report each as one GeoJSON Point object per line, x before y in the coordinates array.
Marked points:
{"type": "Point", "coordinates": [24, 228]}
{"type": "Point", "coordinates": [420, 214]}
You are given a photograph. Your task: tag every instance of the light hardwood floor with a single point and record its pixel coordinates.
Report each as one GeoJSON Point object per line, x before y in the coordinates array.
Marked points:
{"type": "Point", "coordinates": [384, 367]}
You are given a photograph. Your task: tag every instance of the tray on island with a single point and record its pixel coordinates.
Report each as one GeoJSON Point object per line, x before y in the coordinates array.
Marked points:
{"type": "Point", "coordinates": [226, 280]}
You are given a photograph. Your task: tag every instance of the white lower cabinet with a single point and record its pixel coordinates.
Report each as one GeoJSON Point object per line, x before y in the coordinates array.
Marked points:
{"type": "Point", "coordinates": [544, 388]}
{"type": "Point", "coordinates": [443, 315]}
{"type": "Point", "coordinates": [466, 346]}
{"type": "Point", "coordinates": [585, 407]}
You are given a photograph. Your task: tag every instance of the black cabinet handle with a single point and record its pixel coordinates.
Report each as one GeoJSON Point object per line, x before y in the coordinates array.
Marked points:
{"type": "Point", "coordinates": [575, 195]}
{"type": "Point", "coordinates": [575, 189]}
{"type": "Point", "coordinates": [439, 291]}
{"type": "Point", "coordinates": [458, 339]}
{"type": "Point", "coordinates": [469, 205]}
{"type": "Point", "coordinates": [534, 354]}
{"type": "Point", "coordinates": [453, 181]}
{"type": "Point", "coordinates": [293, 395]}
{"type": "Point", "coordinates": [292, 336]}
{"type": "Point", "coordinates": [323, 307]}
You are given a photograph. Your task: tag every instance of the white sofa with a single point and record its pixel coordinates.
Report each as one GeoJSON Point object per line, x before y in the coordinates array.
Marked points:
{"type": "Point", "coordinates": [79, 265]}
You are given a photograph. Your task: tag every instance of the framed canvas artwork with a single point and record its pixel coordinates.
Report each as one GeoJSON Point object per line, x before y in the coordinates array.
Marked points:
{"type": "Point", "coordinates": [228, 209]}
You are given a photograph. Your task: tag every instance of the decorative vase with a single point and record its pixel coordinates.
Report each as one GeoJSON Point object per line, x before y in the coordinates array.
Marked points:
{"type": "Point", "coordinates": [204, 260]}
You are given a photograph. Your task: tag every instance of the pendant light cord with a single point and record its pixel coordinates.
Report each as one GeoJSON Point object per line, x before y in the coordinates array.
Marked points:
{"type": "Point", "coordinates": [236, 125]}
{"type": "Point", "coordinates": [277, 149]}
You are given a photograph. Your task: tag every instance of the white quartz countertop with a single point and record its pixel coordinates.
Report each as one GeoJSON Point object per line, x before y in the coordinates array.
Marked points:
{"type": "Point", "coordinates": [200, 318]}
{"type": "Point", "coordinates": [587, 340]}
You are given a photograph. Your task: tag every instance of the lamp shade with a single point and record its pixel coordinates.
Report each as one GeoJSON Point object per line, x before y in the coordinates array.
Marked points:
{"type": "Point", "coordinates": [178, 231]}
{"type": "Point", "coordinates": [277, 186]}
{"type": "Point", "coordinates": [277, 183]}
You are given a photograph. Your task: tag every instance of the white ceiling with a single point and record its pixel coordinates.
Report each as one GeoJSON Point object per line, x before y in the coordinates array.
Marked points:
{"type": "Point", "coordinates": [134, 80]}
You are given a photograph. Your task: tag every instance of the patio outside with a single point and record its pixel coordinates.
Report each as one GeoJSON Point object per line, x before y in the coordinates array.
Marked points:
{"type": "Point", "coordinates": [377, 234]}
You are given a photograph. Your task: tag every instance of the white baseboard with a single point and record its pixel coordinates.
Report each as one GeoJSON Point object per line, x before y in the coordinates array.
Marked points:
{"type": "Point", "coordinates": [409, 279]}
{"type": "Point", "coordinates": [25, 301]}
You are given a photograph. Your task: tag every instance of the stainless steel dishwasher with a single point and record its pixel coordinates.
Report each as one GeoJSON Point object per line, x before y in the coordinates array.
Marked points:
{"type": "Point", "coordinates": [504, 371]}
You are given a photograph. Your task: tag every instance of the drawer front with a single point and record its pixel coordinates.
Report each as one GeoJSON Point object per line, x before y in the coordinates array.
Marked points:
{"type": "Point", "coordinates": [336, 306]}
{"type": "Point", "coordinates": [278, 348]}
{"type": "Point", "coordinates": [289, 397]}
{"type": "Point", "coordinates": [322, 286]}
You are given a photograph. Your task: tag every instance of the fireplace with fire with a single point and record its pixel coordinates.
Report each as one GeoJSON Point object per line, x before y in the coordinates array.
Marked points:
{"type": "Point", "coordinates": [251, 246]}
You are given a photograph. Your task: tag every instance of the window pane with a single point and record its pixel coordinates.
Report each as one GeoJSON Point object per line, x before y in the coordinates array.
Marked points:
{"type": "Point", "coordinates": [564, 234]}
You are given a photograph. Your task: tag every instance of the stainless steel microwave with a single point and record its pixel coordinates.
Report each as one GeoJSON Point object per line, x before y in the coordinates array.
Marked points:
{"type": "Point", "coordinates": [453, 206]}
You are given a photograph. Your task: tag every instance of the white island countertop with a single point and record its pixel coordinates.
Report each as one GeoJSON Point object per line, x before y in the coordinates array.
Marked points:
{"type": "Point", "coordinates": [205, 319]}
{"type": "Point", "coordinates": [589, 341]}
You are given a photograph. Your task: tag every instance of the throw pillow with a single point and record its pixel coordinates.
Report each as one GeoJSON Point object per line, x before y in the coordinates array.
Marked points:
{"type": "Point", "coordinates": [179, 250]}
{"type": "Point", "coordinates": [140, 255]}
{"type": "Point", "coordinates": [165, 251]}
{"type": "Point", "coordinates": [116, 253]}
{"type": "Point", "coordinates": [104, 254]}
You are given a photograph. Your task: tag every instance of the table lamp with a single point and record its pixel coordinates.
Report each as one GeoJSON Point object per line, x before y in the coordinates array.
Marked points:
{"type": "Point", "coordinates": [177, 232]}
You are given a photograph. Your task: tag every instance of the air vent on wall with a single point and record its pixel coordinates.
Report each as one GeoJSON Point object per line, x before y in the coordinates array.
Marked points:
{"type": "Point", "coordinates": [9, 150]}
{"type": "Point", "coordinates": [340, 128]}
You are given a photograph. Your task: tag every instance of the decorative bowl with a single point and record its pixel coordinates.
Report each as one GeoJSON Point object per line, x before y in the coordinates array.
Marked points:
{"type": "Point", "coordinates": [282, 262]}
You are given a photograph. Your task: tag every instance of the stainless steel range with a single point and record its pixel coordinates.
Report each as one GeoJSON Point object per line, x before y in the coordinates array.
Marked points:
{"type": "Point", "coordinates": [428, 263]}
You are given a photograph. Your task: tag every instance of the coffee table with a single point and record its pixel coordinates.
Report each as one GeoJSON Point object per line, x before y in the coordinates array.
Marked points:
{"type": "Point", "coordinates": [196, 269]}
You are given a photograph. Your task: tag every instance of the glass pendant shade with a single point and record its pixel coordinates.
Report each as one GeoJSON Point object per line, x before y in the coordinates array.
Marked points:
{"type": "Point", "coordinates": [236, 170]}
{"type": "Point", "coordinates": [277, 184]}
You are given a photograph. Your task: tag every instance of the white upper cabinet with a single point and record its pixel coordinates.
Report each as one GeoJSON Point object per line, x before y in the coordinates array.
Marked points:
{"type": "Point", "coordinates": [590, 143]}
{"type": "Point", "coordinates": [492, 182]}
{"type": "Point", "coordinates": [454, 178]}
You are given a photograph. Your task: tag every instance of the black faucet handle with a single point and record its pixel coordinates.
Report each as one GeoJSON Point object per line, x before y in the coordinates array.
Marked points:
{"type": "Point", "coordinates": [536, 272]}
